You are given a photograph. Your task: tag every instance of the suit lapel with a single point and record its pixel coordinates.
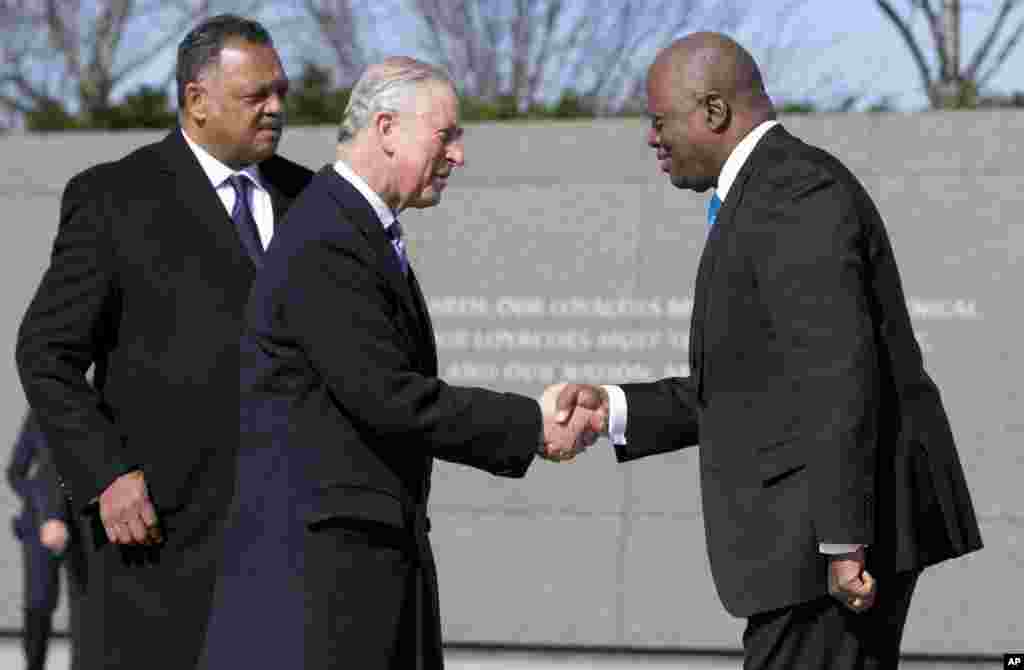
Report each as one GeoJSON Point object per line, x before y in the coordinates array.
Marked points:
{"type": "Point", "coordinates": [424, 319]}
{"type": "Point", "coordinates": [278, 200]}
{"type": "Point", "coordinates": [278, 203]}
{"type": "Point", "coordinates": [361, 214]}
{"type": "Point", "coordinates": [714, 248]}
{"type": "Point", "coordinates": [697, 317]}
{"type": "Point", "coordinates": [196, 195]}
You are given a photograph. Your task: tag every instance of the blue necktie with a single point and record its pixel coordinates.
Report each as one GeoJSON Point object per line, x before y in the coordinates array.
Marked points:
{"type": "Point", "coordinates": [713, 206]}
{"type": "Point", "coordinates": [394, 232]}
{"type": "Point", "coordinates": [245, 223]}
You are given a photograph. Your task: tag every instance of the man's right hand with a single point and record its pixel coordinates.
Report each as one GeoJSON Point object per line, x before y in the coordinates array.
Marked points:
{"type": "Point", "coordinates": [584, 396]}
{"type": "Point", "coordinates": [563, 440]}
{"type": "Point", "coordinates": [127, 513]}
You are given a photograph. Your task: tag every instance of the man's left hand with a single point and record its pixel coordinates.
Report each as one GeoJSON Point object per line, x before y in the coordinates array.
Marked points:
{"type": "Point", "coordinates": [53, 535]}
{"type": "Point", "coordinates": [850, 583]}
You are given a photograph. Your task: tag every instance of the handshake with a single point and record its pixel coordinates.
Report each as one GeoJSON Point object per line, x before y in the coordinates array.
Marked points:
{"type": "Point", "coordinates": [575, 415]}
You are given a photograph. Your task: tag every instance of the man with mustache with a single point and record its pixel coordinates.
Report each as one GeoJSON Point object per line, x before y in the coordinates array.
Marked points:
{"type": "Point", "coordinates": [150, 271]}
{"type": "Point", "coordinates": [343, 412]}
{"type": "Point", "coordinates": [829, 476]}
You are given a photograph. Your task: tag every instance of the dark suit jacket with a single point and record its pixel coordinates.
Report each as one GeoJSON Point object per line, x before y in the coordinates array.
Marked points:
{"type": "Point", "coordinates": [32, 476]}
{"type": "Point", "coordinates": [148, 281]}
{"type": "Point", "coordinates": [343, 396]}
{"type": "Point", "coordinates": [807, 392]}
{"type": "Point", "coordinates": [346, 369]}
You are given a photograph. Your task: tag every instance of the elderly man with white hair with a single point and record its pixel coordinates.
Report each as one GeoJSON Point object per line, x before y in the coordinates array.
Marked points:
{"type": "Point", "coordinates": [327, 561]}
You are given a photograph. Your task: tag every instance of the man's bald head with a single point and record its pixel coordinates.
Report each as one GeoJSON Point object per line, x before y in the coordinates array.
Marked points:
{"type": "Point", "coordinates": [707, 61]}
{"type": "Point", "coordinates": [704, 95]}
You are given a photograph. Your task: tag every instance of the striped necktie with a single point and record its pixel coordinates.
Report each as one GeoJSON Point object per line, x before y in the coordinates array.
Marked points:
{"type": "Point", "coordinates": [244, 221]}
{"type": "Point", "coordinates": [394, 232]}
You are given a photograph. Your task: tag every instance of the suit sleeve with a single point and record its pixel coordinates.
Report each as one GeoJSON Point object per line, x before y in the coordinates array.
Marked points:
{"type": "Point", "coordinates": [662, 418]}
{"type": "Point", "coordinates": [21, 460]}
{"type": "Point", "coordinates": [51, 500]}
{"type": "Point", "coordinates": [809, 270]}
{"type": "Point", "coordinates": [65, 330]}
{"type": "Point", "coordinates": [362, 354]}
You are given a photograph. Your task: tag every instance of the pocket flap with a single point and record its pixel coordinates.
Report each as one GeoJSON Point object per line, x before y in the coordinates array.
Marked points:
{"type": "Point", "coordinates": [355, 502]}
{"type": "Point", "coordinates": [780, 458]}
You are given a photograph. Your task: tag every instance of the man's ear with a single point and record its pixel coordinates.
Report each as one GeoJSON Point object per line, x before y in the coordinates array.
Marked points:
{"type": "Point", "coordinates": [717, 112]}
{"type": "Point", "coordinates": [197, 102]}
{"type": "Point", "coordinates": [385, 124]}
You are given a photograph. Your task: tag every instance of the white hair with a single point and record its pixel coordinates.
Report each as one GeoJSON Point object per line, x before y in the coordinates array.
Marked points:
{"type": "Point", "coordinates": [386, 87]}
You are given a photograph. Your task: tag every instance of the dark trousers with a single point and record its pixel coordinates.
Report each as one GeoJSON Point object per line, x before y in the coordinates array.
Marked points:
{"type": "Point", "coordinates": [145, 607]}
{"type": "Point", "coordinates": [371, 600]}
{"type": "Point", "coordinates": [41, 589]}
{"type": "Point", "coordinates": [823, 635]}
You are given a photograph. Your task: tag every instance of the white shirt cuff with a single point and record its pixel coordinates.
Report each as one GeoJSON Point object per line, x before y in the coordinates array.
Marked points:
{"type": "Point", "coordinates": [617, 412]}
{"type": "Point", "coordinates": [833, 548]}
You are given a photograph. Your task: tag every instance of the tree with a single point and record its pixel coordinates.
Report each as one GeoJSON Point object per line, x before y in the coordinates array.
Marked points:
{"type": "Point", "coordinates": [68, 57]}
{"type": "Point", "coordinates": [533, 50]}
{"type": "Point", "coordinates": [341, 24]}
{"type": "Point", "coordinates": [947, 84]}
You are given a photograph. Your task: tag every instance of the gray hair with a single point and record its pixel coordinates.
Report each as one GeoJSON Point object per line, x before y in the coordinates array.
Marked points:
{"type": "Point", "coordinates": [387, 86]}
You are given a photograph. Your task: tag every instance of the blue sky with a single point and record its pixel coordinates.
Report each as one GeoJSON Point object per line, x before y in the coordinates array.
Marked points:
{"type": "Point", "coordinates": [854, 42]}
{"type": "Point", "coordinates": [841, 47]}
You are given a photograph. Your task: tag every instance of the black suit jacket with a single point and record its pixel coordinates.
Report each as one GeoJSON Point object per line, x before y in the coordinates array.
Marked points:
{"type": "Point", "coordinates": [807, 393]}
{"type": "Point", "coordinates": [148, 282]}
{"type": "Point", "coordinates": [345, 370]}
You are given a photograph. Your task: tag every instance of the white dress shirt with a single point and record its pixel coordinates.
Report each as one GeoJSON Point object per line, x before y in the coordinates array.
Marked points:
{"type": "Point", "coordinates": [617, 409]}
{"type": "Point", "coordinates": [260, 205]}
{"type": "Point", "coordinates": [384, 212]}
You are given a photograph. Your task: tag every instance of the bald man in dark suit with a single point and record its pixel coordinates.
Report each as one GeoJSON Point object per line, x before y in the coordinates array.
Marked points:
{"type": "Point", "coordinates": [829, 476]}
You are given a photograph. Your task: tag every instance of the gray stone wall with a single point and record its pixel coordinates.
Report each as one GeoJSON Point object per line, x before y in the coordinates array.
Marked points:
{"type": "Point", "coordinates": [560, 250]}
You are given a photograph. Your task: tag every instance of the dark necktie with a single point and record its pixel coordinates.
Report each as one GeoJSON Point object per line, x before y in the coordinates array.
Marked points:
{"type": "Point", "coordinates": [394, 232]}
{"type": "Point", "coordinates": [713, 206]}
{"type": "Point", "coordinates": [245, 223]}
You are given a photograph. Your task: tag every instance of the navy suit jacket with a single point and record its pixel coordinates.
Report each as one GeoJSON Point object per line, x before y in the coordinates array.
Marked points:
{"type": "Point", "coordinates": [38, 489]}
{"type": "Point", "coordinates": [343, 370]}
{"type": "Point", "coordinates": [342, 415]}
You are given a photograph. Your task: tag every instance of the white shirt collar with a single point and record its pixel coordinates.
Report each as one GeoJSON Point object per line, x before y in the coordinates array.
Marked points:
{"type": "Point", "coordinates": [739, 156]}
{"type": "Point", "coordinates": [216, 171]}
{"type": "Point", "coordinates": [384, 213]}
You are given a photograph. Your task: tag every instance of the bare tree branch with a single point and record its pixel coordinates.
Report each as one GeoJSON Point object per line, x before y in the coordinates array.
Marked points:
{"type": "Point", "coordinates": [530, 50]}
{"type": "Point", "coordinates": [986, 45]}
{"type": "Point", "coordinates": [1004, 53]}
{"type": "Point", "coordinates": [339, 26]}
{"type": "Point", "coordinates": [15, 104]}
{"type": "Point", "coordinates": [160, 46]}
{"type": "Point", "coordinates": [62, 18]}
{"type": "Point", "coordinates": [934, 21]}
{"type": "Point", "coordinates": [76, 53]}
{"type": "Point", "coordinates": [944, 86]}
{"type": "Point", "coordinates": [908, 38]}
